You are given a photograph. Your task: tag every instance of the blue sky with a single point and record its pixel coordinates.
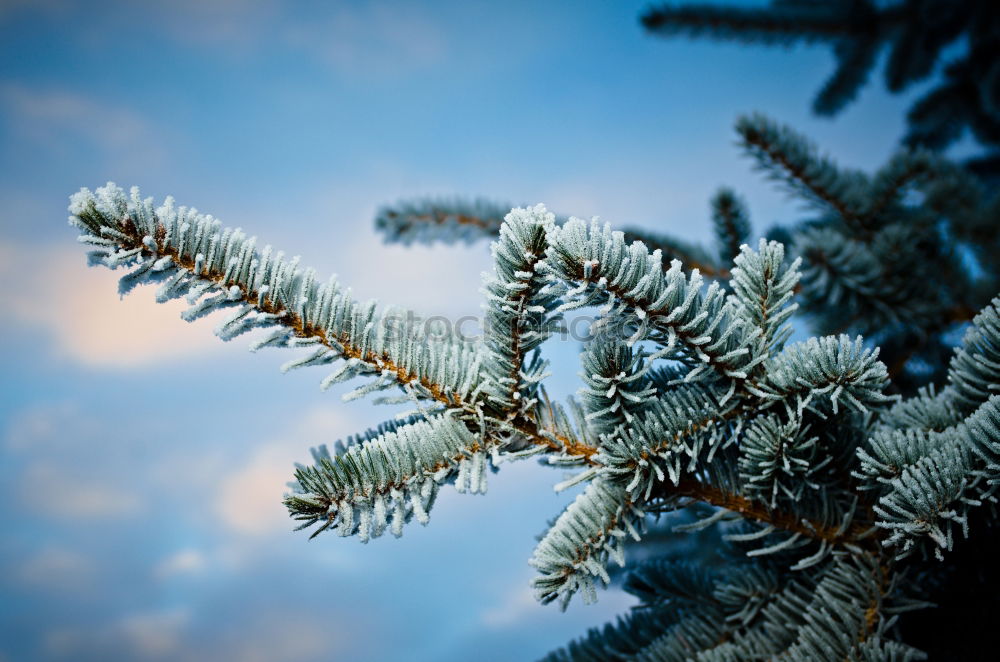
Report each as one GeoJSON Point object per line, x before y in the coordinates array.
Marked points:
{"type": "Point", "coordinates": [142, 460]}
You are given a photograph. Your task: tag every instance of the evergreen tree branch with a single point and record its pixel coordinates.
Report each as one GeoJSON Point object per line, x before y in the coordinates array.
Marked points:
{"type": "Point", "coordinates": [933, 461]}
{"type": "Point", "coordinates": [393, 476]}
{"type": "Point", "coordinates": [763, 288]}
{"type": "Point", "coordinates": [799, 459]}
{"type": "Point", "coordinates": [690, 255]}
{"type": "Point", "coordinates": [855, 59]}
{"type": "Point", "coordinates": [731, 222]}
{"type": "Point", "coordinates": [889, 183]}
{"type": "Point", "coordinates": [974, 373]}
{"type": "Point", "coordinates": [574, 551]}
{"type": "Point", "coordinates": [519, 307]}
{"type": "Point", "coordinates": [786, 520]}
{"type": "Point", "coordinates": [805, 22]}
{"type": "Point", "coordinates": [601, 262]}
{"type": "Point", "coordinates": [791, 159]}
{"type": "Point", "coordinates": [617, 388]}
{"type": "Point", "coordinates": [747, 611]}
{"type": "Point", "coordinates": [428, 221]}
{"type": "Point", "coordinates": [916, 32]}
{"type": "Point", "coordinates": [431, 221]}
{"type": "Point", "coordinates": [191, 254]}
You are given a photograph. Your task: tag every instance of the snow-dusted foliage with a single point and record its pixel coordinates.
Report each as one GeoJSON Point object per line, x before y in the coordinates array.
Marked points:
{"type": "Point", "coordinates": [833, 474]}
{"type": "Point", "coordinates": [820, 478]}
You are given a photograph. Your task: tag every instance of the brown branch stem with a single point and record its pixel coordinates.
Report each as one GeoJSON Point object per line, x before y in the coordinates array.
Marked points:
{"type": "Point", "coordinates": [762, 513]}
{"type": "Point", "coordinates": [523, 424]}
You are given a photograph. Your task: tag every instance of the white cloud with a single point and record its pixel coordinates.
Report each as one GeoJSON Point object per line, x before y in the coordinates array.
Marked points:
{"type": "Point", "coordinates": [61, 493]}
{"type": "Point", "coordinates": [248, 500]}
{"type": "Point", "coordinates": [358, 39]}
{"type": "Point", "coordinates": [41, 428]}
{"type": "Point", "coordinates": [234, 24]}
{"type": "Point", "coordinates": [80, 309]}
{"type": "Point", "coordinates": [168, 634]}
{"type": "Point", "coordinates": [153, 635]}
{"type": "Point", "coordinates": [49, 7]}
{"type": "Point", "coordinates": [63, 458]}
{"type": "Point", "coordinates": [54, 445]}
{"type": "Point", "coordinates": [432, 280]}
{"type": "Point", "coordinates": [284, 636]}
{"type": "Point", "coordinates": [372, 38]}
{"type": "Point", "coordinates": [185, 561]}
{"type": "Point", "coordinates": [49, 117]}
{"type": "Point", "coordinates": [517, 604]}
{"type": "Point", "coordinates": [57, 569]}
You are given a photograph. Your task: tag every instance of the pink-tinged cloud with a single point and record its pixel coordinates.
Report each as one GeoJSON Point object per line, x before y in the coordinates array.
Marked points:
{"type": "Point", "coordinates": [248, 500]}
{"type": "Point", "coordinates": [83, 319]}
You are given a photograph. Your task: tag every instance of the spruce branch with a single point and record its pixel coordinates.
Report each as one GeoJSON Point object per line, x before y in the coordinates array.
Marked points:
{"type": "Point", "coordinates": [890, 182]}
{"type": "Point", "coordinates": [731, 222]}
{"type": "Point", "coordinates": [763, 287]}
{"type": "Point", "coordinates": [855, 59]}
{"type": "Point", "coordinates": [429, 221]}
{"type": "Point", "coordinates": [916, 33]}
{"type": "Point", "coordinates": [190, 254]}
{"type": "Point", "coordinates": [885, 257]}
{"type": "Point", "coordinates": [848, 531]}
{"type": "Point", "coordinates": [809, 22]}
{"type": "Point", "coordinates": [823, 374]}
{"type": "Point", "coordinates": [574, 551]}
{"type": "Point", "coordinates": [604, 264]}
{"type": "Point", "coordinates": [703, 402]}
{"type": "Point", "coordinates": [933, 461]}
{"type": "Point", "coordinates": [789, 158]}
{"type": "Point", "coordinates": [974, 373]}
{"type": "Point", "coordinates": [617, 388]}
{"type": "Point", "coordinates": [524, 284]}
{"type": "Point", "coordinates": [820, 488]}
{"type": "Point", "coordinates": [692, 256]}
{"type": "Point", "coordinates": [744, 611]}
{"type": "Point", "coordinates": [392, 475]}
{"type": "Point", "coordinates": [519, 308]}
